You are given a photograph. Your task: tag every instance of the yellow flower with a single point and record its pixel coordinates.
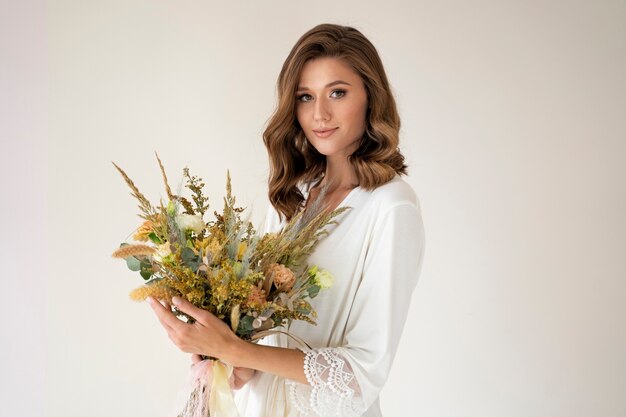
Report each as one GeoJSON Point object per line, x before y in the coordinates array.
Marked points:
{"type": "Point", "coordinates": [241, 250]}
{"type": "Point", "coordinates": [214, 249]}
{"type": "Point", "coordinates": [323, 279]}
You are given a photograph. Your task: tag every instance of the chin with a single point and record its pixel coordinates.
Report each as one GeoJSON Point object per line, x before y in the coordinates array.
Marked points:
{"type": "Point", "coordinates": [325, 150]}
{"type": "Point", "coordinates": [328, 148]}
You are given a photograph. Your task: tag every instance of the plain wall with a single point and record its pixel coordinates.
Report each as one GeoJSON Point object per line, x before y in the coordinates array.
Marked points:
{"type": "Point", "coordinates": [514, 130]}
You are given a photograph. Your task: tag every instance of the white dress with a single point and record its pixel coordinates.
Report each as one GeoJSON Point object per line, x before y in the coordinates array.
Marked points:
{"type": "Point", "coordinates": [375, 253]}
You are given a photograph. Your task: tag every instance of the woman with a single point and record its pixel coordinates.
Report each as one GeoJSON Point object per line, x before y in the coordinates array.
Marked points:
{"type": "Point", "coordinates": [335, 126]}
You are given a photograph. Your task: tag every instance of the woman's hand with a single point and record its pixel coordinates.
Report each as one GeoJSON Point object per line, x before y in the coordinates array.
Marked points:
{"type": "Point", "coordinates": [241, 376]}
{"type": "Point", "coordinates": [207, 336]}
{"type": "Point", "coordinates": [210, 336]}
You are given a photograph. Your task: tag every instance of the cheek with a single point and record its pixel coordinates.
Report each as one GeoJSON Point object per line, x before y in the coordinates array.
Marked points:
{"type": "Point", "coordinates": [300, 116]}
{"type": "Point", "coordinates": [357, 116]}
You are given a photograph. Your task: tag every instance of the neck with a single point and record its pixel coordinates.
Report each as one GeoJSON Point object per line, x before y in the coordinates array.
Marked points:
{"type": "Point", "coordinates": [339, 174]}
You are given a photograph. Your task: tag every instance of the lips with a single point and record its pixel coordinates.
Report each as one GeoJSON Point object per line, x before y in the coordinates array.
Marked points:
{"type": "Point", "coordinates": [324, 133]}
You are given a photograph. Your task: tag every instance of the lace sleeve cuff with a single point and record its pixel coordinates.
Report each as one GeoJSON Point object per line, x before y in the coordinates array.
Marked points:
{"type": "Point", "coordinates": [333, 389]}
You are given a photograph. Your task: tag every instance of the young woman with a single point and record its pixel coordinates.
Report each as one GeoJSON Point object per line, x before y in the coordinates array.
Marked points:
{"type": "Point", "coordinates": [335, 125]}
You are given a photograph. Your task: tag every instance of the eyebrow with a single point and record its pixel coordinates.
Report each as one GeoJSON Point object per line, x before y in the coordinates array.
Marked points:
{"type": "Point", "coordinates": [303, 88]}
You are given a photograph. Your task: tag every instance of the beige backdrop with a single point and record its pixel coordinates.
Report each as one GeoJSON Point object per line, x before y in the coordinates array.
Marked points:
{"type": "Point", "coordinates": [513, 126]}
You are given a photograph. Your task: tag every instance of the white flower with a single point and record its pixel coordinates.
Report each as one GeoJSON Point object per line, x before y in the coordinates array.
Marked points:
{"type": "Point", "coordinates": [324, 279]}
{"type": "Point", "coordinates": [190, 222]}
{"type": "Point", "coordinates": [162, 251]}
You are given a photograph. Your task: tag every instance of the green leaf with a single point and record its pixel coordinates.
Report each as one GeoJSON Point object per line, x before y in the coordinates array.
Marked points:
{"type": "Point", "coordinates": [188, 254]}
{"type": "Point", "coordinates": [190, 259]}
{"type": "Point", "coordinates": [245, 325]}
{"type": "Point", "coordinates": [145, 269]}
{"type": "Point", "coordinates": [133, 263]}
{"type": "Point", "coordinates": [153, 237]}
{"type": "Point", "coordinates": [303, 310]}
{"type": "Point", "coordinates": [313, 290]}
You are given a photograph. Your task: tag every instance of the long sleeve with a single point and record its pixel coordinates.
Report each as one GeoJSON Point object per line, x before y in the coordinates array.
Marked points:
{"type": "Point", "coordinates": [346, 380]}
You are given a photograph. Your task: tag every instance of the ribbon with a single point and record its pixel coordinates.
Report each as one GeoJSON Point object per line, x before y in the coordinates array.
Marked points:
{"type": "Point", "coordinates": [211, 384]}
{"type": "Point", "coordinates": [210, 391]}
{"type": "Point", "coordinates": [221, 401]}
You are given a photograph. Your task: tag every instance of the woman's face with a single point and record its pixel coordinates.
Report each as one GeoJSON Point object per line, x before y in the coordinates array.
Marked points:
{"type": "Point", "coordinates": [331, 106]}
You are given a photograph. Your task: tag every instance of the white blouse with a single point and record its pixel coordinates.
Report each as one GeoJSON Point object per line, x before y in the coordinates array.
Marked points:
{"type": "Point", "coordinates": [375, 253]}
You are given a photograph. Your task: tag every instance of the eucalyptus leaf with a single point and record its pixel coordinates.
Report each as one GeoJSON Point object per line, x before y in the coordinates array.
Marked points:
{"type": "Point", "coordinates": [146, 269]}
{"type": "Point", "coordinates": [303, 310]}
{"type": "Point", "coordinates": [133, 263]}
{"type": "Point", "coordinates": [245, 325]}
{"type": "Point", "coordinates": [190, 259]}
{"type": "Point", "coordinates": [188, 254]}
{"type": "Point", "coordinates": [313, 290]}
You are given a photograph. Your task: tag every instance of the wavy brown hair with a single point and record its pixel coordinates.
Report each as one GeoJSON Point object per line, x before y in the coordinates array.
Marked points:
{"type": "Point", "coordinates": [292, 158]}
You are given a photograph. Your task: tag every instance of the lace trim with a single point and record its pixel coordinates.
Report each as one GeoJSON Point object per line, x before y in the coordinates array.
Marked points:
{"type": "Point", "coordinates": [333, 389]}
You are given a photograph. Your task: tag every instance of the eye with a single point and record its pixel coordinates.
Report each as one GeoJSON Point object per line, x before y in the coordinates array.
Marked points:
{"type": "Point", "coordinates": [304, 98]}
{"type": "Point", "coordinates": [338, 93]}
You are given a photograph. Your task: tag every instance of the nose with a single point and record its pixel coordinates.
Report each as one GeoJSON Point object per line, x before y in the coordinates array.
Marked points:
{"type": "Point", "coordinates": [321, 111]}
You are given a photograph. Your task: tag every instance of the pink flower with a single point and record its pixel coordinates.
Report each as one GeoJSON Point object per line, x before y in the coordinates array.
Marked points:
{"type": "Point", "coordinates": [283, 277]}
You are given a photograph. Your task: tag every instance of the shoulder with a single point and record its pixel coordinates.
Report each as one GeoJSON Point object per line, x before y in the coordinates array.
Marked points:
{"type": "Point", "coordinates": [392, 203]}
{"type": "Point", "coordinates": [396, 192]}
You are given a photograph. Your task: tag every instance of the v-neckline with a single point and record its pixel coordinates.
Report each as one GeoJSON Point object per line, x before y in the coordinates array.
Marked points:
{"type": "Point", "coordinates": [341, 204]}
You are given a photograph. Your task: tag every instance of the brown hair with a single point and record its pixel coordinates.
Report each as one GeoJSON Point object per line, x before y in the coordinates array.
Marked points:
{"type": "Point", "coordinates": [292, 158]}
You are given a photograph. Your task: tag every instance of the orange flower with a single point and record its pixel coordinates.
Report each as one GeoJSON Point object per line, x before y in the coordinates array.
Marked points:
{"type": "Point", "coordinates": [283, 277]}
{"type": "Point", "coordinates": [143, 231]}
{"type": "Point", "coordinates": [257, 296]}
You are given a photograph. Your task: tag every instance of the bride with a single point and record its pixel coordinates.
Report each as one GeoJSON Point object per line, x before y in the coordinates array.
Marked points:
{"type": "Point", "coordinates": [336, 126]}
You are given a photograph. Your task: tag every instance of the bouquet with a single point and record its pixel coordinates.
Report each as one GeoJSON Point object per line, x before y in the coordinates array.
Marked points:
{"type": "Point", "coordinates": [254, 283]}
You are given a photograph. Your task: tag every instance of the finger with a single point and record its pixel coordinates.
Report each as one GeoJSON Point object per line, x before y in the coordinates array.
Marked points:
{"type": "Point", "coordinates": [167, 319]}
{"type": "Point", "coordinates": [195, 358]}
{"type": "Point", "coordinates": [186, 307]}
{"type": "Point", "coordinates": [166, 304]}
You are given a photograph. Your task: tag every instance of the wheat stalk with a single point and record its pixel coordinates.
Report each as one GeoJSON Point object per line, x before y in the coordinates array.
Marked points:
{"type": "Point", "coordinates": [170, 195]}
{"type": "Point", "coordinates": [144, 204]}
{"type": "Point", "coordinates": [158, 292]}
{"type": "Point", "coordinates": [133, 250]}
